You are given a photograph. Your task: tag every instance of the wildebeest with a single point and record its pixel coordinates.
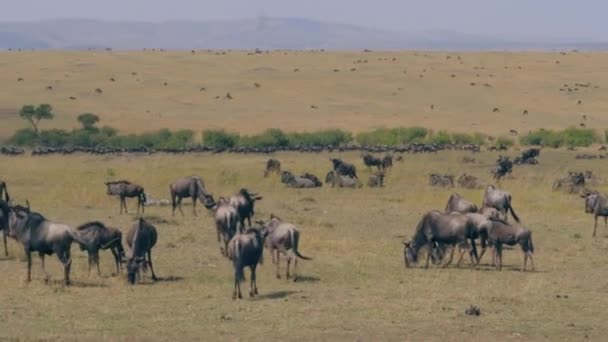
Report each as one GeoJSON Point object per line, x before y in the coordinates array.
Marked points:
{"type": "Point", "coordinates": [376, 180]}
{"type": "Point", "coordinates": [226, 222]}
{"type": "Point", "coordinates": [441, 180]}
{"type": "Point", "coordinates": [4, 190]}
{"type": "Point", "coordinates": [246, 250]}
{"type": "Point", "coordinates": [283, 238]}
{"type": "Point", "coordinates": [98, 236]}
{"type": "Point", "coordinates": [272, 165]}
{"type": "Point", "coordinates": [141, 237]}
{"type": "Point", "coordinates": [499, 199]}
{"type": "Point", "coordinates": [244, 203]}
{"type": "Point", "coordinates": [597, 204]}
{"type": "Point", "coordinates": [574, 182]}
{"type": "Point", "coordinates": [387, 162]}
{"type": "Point", "coordinates": [4, 213]}
{"type": "Point", "coordinates": [458, 204]}
{"type": "Point", "coordinates": [370, 161]}
{"type": "Point", "coordinates": [297, 181]}
{"type": "Point", "coordinates": [341, 181]}
{"type": "Point", "coordinates": [124, 189]}
{"type": "Point", "coordinates": [504, 166]}
{"type": "Point", "coordinates": [504, 233]}
{"type": "Point", "coordinates": [453, 229]}
{"type": "Point", "coordinates": [313, 178]}
{"type": "Point", "coordinates": [468, 181]}
{"type": "Point", "coordinates": [188, 187]}
{"type": "Point", "coordinates": [343, 168]}
{"type": "Point", "coordinates": [37, 234]}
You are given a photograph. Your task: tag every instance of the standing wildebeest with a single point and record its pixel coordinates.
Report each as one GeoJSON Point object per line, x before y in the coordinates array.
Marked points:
{"type": "Point", "coordinates": [226, 221]}
{"type": "Point", "coordinates": [4, 190]}
{"type": "Point", "coordinates": [141, 238]}
{"type": "Point", "coordinates": [272, 165]}
{"type": "Point", "coordinates": [244, 203]}
{"type": "Point", "coordinates": [504, 233]}
{"type": "Point", "coordinates": [499, 199]}
{"type": "Point", "coordinates": [246, 250]}
{"type": "Point", "coordinates": [504, 166]}
{"type": "Point", "coordinates": [387, 162]}
{"type": "Point", "coordinates": [370, 161]}
{"type": "Point", "coordinates": [37, 234]}
{"type": "Point", "coordinates": [438, 228]}
{"type": "Point", "coordinates": [343, 168]}
{"type": "Point", "coordinates": [459, 204]}
{"type": "Point", "coordinates": [4, 213]}
{"type": "Point", "coordinates": [283, 237]}
{"type": "Point", "coordinates": [597, 204]}
{"type": "Point", "coordinates": [341, 181]}
{"type": "Point", "coordinates": [99, 237]}
{"type": "Point", "coordinates": [191, 186]}
{"type": "Point", "coordinates": [124, 189]}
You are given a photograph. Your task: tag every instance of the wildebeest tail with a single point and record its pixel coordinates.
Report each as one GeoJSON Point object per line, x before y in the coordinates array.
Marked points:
{"type": "Point", "coordinates": [143, 198]}
{"type": "Point", "coordinates": [530, 244]}
{"type": "Point", "coordinates": [295, 238]}
{"type": "Point", "coordinates": [236, 261]}
{"type": "Point", "coordinates": [7, 198]}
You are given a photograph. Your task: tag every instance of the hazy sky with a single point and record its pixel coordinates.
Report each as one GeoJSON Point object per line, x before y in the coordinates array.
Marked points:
{"type": "Point", "coordinates": [509, 18]}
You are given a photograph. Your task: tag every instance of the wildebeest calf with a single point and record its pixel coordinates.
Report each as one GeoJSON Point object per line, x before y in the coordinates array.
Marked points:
{"type": "Point", "coordinates": [99, 237]}
{"type": "Point", "coordinates": [124, 189]}
{"type": "Point", "coordinates": [503, 233]}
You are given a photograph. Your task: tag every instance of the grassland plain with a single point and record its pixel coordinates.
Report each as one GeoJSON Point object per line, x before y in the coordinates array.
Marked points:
{"type": "Point", "coordinates": [355, 287]}
{"type": "Point", "coordinates": [351, 90]}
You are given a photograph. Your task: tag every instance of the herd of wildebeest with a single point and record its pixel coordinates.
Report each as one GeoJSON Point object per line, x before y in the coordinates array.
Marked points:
{"type": "Point", "coordinates": [460, 226]}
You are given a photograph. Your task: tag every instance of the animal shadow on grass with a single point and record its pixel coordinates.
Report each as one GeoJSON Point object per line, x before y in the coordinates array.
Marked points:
{"type": "Point", "coordinates": [147, 280]}
{"type": "Point", "coordinates": [274, 295]}
{"type": "Point", "coordinates": [307, 279]}
{"type": "Point", "coordinates": [78, 283]}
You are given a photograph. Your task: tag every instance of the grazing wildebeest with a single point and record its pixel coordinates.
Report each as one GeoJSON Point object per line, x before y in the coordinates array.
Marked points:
{"type": "Point", "coordinates": [4, 213]}
{"type": "Point", "coordinates": [504, 233]}
{"type": "Point", "coordinates": [98, 236]}
{"type": "Point", "coordinates": [246, 250]}
{"type": "Point", "coordinates": [441, 180]}
{"type": "Point", "coordinates": [499, 199]}
{"type": "Point", "coordinates": [387, 162]}
{"type": "Point", "coordinates": [140, 238]}
{"type": "Point", "coordinates": [124, 189]}
{"type": "Point", "coordinates": [370, 161]}
{"type": "Point", "coordinates": [341, 181]}
{"type": "Point", "coordinates": [296, 181]}
{"type": "Point", "coordinates": [37, 234]}
{"type": "Point", "coordinates": [244, 203]}
{"type": "Point", "coordinates": [597, 204]}
{"type": "Point", "coordinates": [191, 186]}
{"type": "Point", "coordinates": [439, 228]}
{"type": "Point", "coordinates": [283, 238]}
{"type": "Point", "coordinates": [272, 165]}
{"type": "Point", "coordinates": [226, 222]}
{"type": "Point", "coordinates": [343, 168]}
{"type": "Point", "coordinates": [376, 180]}
{"type": "Point", "coordinates": [4, 190]}
{"type": "Point", "coordinates": [459, 204]}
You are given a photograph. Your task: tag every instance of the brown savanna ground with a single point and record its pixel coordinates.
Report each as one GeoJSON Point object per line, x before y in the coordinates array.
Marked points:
{"type": "Point", "coordinates": [380, 92]}
{"type": "Point", "coordinates": [356, 286]}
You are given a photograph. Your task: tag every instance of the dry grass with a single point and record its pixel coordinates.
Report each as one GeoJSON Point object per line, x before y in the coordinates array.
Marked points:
{"type": "Point", "coordinates": [356, 286]}
{"type": "Point", "coordinates": [380, 92]}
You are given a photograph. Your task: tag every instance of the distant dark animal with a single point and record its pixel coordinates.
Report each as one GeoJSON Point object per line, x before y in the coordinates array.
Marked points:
{"type": "Point", "coordinates": [387, 162]}
{"type": "Point", "coordinates": [226, 222]}
{"type": "Point", "coordinates": [343, 168]}
{"type": "Point", "coordinates": [341, 181]}
{"type": "Point", "coordinates": [244, 203]}
{"type": "Point", "coordinates": [597, 204]}
{"type": "Point", "coordinates": [530, 153]}
{"type": "Point", "coordinates": [453, 229]}
{"type": "Point", "coordinates": [441, 180]}
{"type": "Point", "coordinates": [4, 190]}
{"type": "Point", "coordinates": [188, 187]}
{"type": "Point", "coordinates": [141, 237]}
{"type": "Point", "coordinates": [503, 233]}
{"type": "Point", "coordinates": [98, 236]}
{"type": "Point", "coordinates": [246, 250]}
{"type": "Point", "coordinates": [37, 234]}
{"type": "Point", "coordinates": [458, 204]}
{"type": "Point", "coordinates": [499, 199]}
{"type": "Point", "coordinates": [283, 238]}
{"type": "Point", "coordinates": [376, 180]}
{"type": "Point", "coordinates": [124, 189]}
{"type": "Point", "coordinates": [371, 161]}
{"type": "Point", "coordinates": [297, 182]}
{"type": "Point", "coordinates": [4, 214]}
{"type": "Point", "coordinates": [504, 166]}
{"type": "Point", "coordinates": [272, 165]}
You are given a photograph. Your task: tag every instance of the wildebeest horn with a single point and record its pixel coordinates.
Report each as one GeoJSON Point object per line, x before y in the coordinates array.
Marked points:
{"type": "Point", "coordinates": [28, 204]}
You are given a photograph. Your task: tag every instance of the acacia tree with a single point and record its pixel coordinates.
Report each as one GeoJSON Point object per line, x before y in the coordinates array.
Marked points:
{"type": "Point", "coordinates": [88, 120]}
{"type": "Point", "coordinates": [34, 114]}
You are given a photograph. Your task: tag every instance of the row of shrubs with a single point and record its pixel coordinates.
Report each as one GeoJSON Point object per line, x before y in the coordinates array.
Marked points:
{"type": "Point", "coordinates": [110, 137]}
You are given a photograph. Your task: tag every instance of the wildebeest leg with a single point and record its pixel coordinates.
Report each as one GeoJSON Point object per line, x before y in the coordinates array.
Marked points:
{"type": "Point", "coordinates": [483, 251]}
{"type": "Point", "coordinates": [531, 260]}
{"type": "Point", "coordinates": [4, 234]}
{"type": "Point", "coordinates": [523, 267]}
{"type": "Point", "coordinates": [123, 200]}
{"type": "Point", "coordinates": [116, 259]}
{"type": "Point", "coordinates": [254, 280]}
{"type": "Point", "coordinates": [46, 275]}
{"type": "Point", "coordinates": [151, 266]}
{"type": "Point", "coordinates": [499, 256]}
{"type": "Point", "coordinates": [447, 263]}
{"type": "Point", "coordinates": [237, 285]}
{"type": "Point", "coordinates": [28, 254]}
{"type": "Point", "coordinates": [96, 261]}
{"type": "Point", "coordinates": [194, 204]}
{"type": "Point", "coordinates": [67, 265]}
{"type": "Point", "coordinates": [252, 290]}
{"type": "Point", "coordinates": [594, 225]}
{"type": "Point", "coordinates": [295, 268]}
{"type": "Point", "coordinates": [288, 264]}
{"type": "Point", "coordinates": [461, 250]}
{"type": "Point", "coordinates": [278, 257]}
{"type": "Point", "coordinates": [428, 254]}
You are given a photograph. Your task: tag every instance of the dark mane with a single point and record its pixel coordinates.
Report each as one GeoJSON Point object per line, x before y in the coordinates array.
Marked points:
{"type": "Point", "coordinates": [122, 181]}
{"type": "Point", "coordinates": [90, 224]}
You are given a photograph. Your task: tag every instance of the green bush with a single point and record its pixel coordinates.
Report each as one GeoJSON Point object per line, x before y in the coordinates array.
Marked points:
{"type": "Point", "coordinates": [219, 138]}
{"type": "Point", "coordinates": [392, 136]}
{"type": "Point", "coordinates": [464, 138]}
{"type": "Point", "coordinates": [504, 141]}
{"type": "Point", "coordinates": [331, 137]}
{"type": "Point", "coordinates": [570, 137]}
{"type": "Point", "coordinates": [24, 137]}
{"type": "Point", "coordinates": [440, 138]}
{"type": "Point", "coordinates": [579, 136]}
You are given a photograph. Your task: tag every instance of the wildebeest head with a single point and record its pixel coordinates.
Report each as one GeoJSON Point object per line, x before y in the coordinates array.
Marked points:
{"type": "Point", "coordinates": [410, 254]}
{"type": "Point", "coordinates": [133, 266]}
{"type": "Point", "coordinates": [336, 162]}
{"type": "Point", "coordinates": [590, 201]}
{"type": "Point", "coordinates": [16, 215]}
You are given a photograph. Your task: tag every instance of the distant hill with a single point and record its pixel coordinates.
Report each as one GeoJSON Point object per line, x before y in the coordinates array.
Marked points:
{"type": "Point", "coordinates": [262, 33]}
